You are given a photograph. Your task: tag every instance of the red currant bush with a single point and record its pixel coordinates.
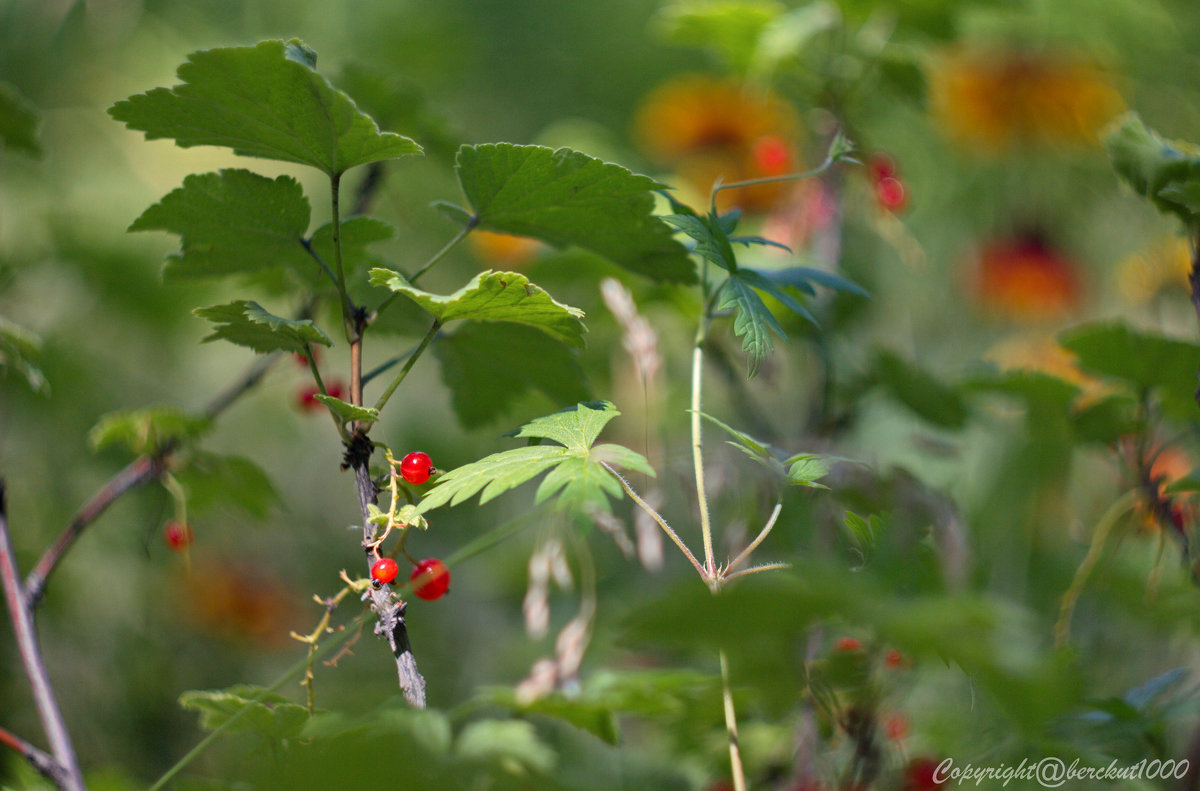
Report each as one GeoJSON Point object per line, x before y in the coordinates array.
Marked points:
{"type": "Point", "coordinates": [416, 467]}
{"type": "Point", "coordinates": [384, 570]}
{"type": "Point", "coordinates": [178, 535]}
{"type": "Point", "coordinates": [430, 579]}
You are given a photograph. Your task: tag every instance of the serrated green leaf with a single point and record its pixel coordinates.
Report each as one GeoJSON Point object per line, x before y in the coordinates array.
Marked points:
{"type": "Point", "coordinates": [494, 296]}
{"type": "Point", "coordinates": [753, 322]}
{"type": "Point", "coordinates": [263, 101]}
{"type": "Point", "coordinates": [247, 324]}
{"type": "Point", "coordinates": [503, 742]}
{"type": "Point", "coordinates": [802, 277]}
{"type": "Point", "coordinates": [567, 198]}
{"type": "Point", "coordinates": [148, 430]}
{"type": "Point", "coordinates": [19, 351]}
{"type": "Point", "coordinates": [211, 480]}
{"type": "Point", "coordinates": [18, 121]}
{"type": "Point", "coordinates": [576, 475]}
{"type": "Point", "coordinates": [231, 222]}
{"type": "Point", "coordinates": [805, 469]}
{"type": "Point", "coordinates": [348, 412]}
{"type": "Point", "coordinates": [266, 714]}
{"type": "Point", "coordinates": [1146, 361]}
{"type": "Point", "coordinates": [712, 241]}
{"type": "Point", "coordinates": [489, 366]}
{"type": "Point", "coordinates": [1167, 172]}
{"type": "Point", "coordinates": [756, 279]}
{"type": "Point", "coordinates": [731, 28]}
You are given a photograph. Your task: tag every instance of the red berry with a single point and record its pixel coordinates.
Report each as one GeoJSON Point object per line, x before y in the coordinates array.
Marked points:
{"type": "Point", "coordinates": [847, 645]}
{"type": "Point", "coordinates": [335, 388]}
{"type": "Point", "coordinates": [430, 579]}
{"type": "Point", "coordinates": [384, 570]}
{"type": "Point", "coordinates": [306, 399]}
{"type": "Point", "coordinates": [881, 166]}
{"type": "Point", "coordinates": [893, 659]}
{"type": "Point", "coordinates": [889, 191]}
{"type": "Point", "coordinates": [178, 535]}
{"type": "Point", "coordinates": [302, 359]}
{"type": "Point", "coordinates": [416, 467]}
{"type": "Point", "coordinates": [896, 727]}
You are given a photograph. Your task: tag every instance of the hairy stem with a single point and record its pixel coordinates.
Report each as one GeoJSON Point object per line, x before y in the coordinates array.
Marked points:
{"type": "Point", "coordinates": [661, 522]}
{"type": "Point", "coordinates": [697, 452]}
{"type": "Point", "coordinates": [20, 610]}
{"type": "Point", "coordinates": [731, 728]}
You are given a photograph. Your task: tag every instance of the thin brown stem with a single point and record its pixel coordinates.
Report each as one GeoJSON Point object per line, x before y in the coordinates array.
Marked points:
{"type": "Point", "coordinates": [21, 612]}
{"type": "Point", "coordinates": [40, 760]}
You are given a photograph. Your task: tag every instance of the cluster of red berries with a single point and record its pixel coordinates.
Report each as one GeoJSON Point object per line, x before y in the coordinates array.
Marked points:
{"type": "Point", "coordinates": [890, 193]}
{"type": "Point", "coordinates": [306, 397]}
{"type": "Point", "coordinates": [430, 578]}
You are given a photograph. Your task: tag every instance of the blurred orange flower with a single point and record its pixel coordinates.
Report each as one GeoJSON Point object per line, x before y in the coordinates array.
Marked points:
{"type": "Point", "coordinates": [1024, 279]}
{"type": "Point", "coordinates": [1163, 266]}
{"type": "Point", "coordinates": [241, 604]}
{"type": "Point", "coordinates": [1042, 353]}
{"type": "Point", "coordinates": [504, 249]}
{"type": "Point", "coordinates": [709, 129]}
{"type": "Point", "coordinates": [994, 99]}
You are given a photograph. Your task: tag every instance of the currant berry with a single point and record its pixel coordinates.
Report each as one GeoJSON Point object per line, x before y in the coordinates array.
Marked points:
{"type": "Point", "coordinates": [772, 155]}
{"type": "Point", "coordinates": [889, 191]}
{"type": "Point", "coordinates": [848, 645]}
{"type": "Point", "coordinates": [178, 535]}
{"type": "Point", "coordinates": [430, 579]}
{"type": "Point", "coordinates": [416, 467]}
{"type": "Point", "coordinates": [893, 659]}
{"type": "Point", "coordinates": [881, 166]}
{"type": "Point", "coordinates": [384, 570]}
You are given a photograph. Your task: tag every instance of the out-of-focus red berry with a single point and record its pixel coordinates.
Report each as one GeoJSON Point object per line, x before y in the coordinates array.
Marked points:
{"type": "Point", "coordinates": [430, 579]}
{"type": "Point", "coordinates": [893, 659]}
{"type": "Point", "coordinates": [178, 535]}
{"type": "Point", "coordinates": [890, 193]}
{"type": "Point", "coordinates": [896, 727]}
{"type": "Point", "coordinates": [880, 165]}
{"type": "Point", "coordinates": [921, 775]}
{"type": "Point", "coordinates": [847, 644]}
{"type": "Point", "coordinates": [773, 155]}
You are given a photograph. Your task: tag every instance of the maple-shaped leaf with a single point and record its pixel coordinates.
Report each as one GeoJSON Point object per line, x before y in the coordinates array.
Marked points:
{"type": "Point", "coordinates": [575, 465]}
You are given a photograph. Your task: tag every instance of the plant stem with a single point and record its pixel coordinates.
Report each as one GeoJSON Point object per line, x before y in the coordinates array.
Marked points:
{"type": "Point", "coordinates": [20, 610]}
{"type": "Point", "coordinates": [335, 182]}
{"type": "Point", "coordinates": [438, 256]}
{"type": "Point", "coordinates": [744, 555]}
{"type": "Point", "coordinates": [43, 762]}
{"type": "Point", "coordinates": [731, 727]}
{"type": "Point", "coordinates": [818, 170]}
{"type": "Point", "coordinates": [412, 359]}
{"type": "Point", "coordinates": [661, 522]}
{"type": "Point", "coordinates": [697, 453]}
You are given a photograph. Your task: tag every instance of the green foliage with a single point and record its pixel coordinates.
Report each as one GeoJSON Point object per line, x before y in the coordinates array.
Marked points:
{"type": "Point", "coordinates": [576, 475]}
{"type": "Point", "coordinates": [489, 366]}
{"type": "Point", "coordinates": [494, 296]}
{"type": "Point", "coordinates": [801, 469]}
{"type": "Point", "coordinates": [347, 412]}
{"type": "Point", "coordinates": [213, 480]}
{"type": "Point", "coordinates": [263, 101]}
{"type": "Point", "coordinates": [246, 709]}
{"type": "Point", "coordinates": [19, 351]}
{"type": "Point", "coordinates": [1146, 362]}
{"type": "Point", "coordinates": [732, 29]}
{"type": "Point", "coordinates": [18, 121]}
{"type": "Point", "coordinates": [248, 324]}
{"type": "Point", "coordinates": [1166, 172]}
{"type": "Point", "coordinates": [149, 430]}
{"type": "Point", "coordinates": [567, 198]}
{"type": "Point", "coordinates": [231, 222]}
{"type": "Point", "coordinates": [919, 390]}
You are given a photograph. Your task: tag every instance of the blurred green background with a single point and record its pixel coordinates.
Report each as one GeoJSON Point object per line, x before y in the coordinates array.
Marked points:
{"type": "Point", "coordinates": [128, 625]}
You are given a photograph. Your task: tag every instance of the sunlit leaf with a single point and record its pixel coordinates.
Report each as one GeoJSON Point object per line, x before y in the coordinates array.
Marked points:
{"type": "Point", "coordinates": [494, 296]}
{"type": "Point", "coordinates": [148, 430]}
{"type": "Point", "coordinates": [212, 480]}
{"type": "Point", "coordinates": [567, 198]}
{"type": "Point", "coordinates": [263, 101]}
{"type": "Point", "coordinates": [503, 742]}
{"type": "Point", "coordinates": [346, 411]}
{"type": "Point", "coordinates": [731, 28]}
{"type": "Point", "coordinates": [19, 351]}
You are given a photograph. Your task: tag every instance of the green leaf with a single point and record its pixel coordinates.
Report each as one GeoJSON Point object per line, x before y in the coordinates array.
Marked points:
{"type": "Point", "coordinates": [753, 322]}
{"type": "Point", "coordinates": [567, 198]}
{"type": "Point", "coordinates": [494, 296]}
{"type": "Point", "coordinates": [357, 233]}
{"type": "Point", "coordinates": [266, 714]}
{"type": "Point", "coordinates": [149, 430]}
{"type": "Point", "coordinates": [19, 350]}
{"type": "Point", "coordinates": [918, 390]}
{"type": "Point", "coordinates": [263, 101]}
{"type": "Point", "coordinates": [712, 240]}
{"type": "Point", "coordinates": [805, 469]}
{"type": "Point", "coordinates": [488, 367]}
{"type": "Point", "coordinates": [247, 324]}
{"type": "Point", "coordinates": [231, 222]}
{"type": "Point", "coordinates": [576, 476]}
{"type": "Point", "coordinates": [348, 412]}
{"type": "Point", "coordinates": [504, 742]}
{"type": "Point", "coordinates": [211, 480]}
{"type": "Point", "coordinates": [18, 122]}
{"type": "Point", "coordinates": [731, 28]}
{"type": "Point", "coordinates": [592, 716]}
{"type": "Point", "coordinates": [1146, 361]}
{"type": "Point", "coordinates": [1166, 172]}
{"type": "Point", "coordinates": [802, 277]}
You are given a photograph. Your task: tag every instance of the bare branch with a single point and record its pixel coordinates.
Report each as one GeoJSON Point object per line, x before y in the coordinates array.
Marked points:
{"type": "Point", "coordinates": [20, 610]}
